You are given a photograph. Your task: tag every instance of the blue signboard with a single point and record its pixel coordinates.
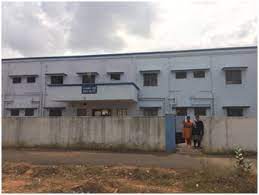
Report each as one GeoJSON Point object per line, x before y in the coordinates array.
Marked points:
{"type": "Point", "coordinates": [89, 89]}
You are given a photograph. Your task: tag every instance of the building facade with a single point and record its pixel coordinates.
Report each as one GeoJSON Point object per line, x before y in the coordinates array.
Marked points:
{"type": "Point", "coordinates": [218, 82]}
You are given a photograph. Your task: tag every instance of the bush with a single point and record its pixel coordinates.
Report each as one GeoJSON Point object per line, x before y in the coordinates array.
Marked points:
{"type": "Point", "coordinates": [242, 165]}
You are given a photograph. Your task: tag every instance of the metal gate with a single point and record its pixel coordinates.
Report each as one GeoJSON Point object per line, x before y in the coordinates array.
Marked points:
{"type": "Point", "coordinates": [173, 129]}
{"type": "Point", "coordinates": [178, 129]}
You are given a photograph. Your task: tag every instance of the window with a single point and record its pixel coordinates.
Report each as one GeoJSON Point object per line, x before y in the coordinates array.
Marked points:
{"type": "Point", "coordinates": [29, 112]}
{"type": "Point", "coordinates": [234, 111]}
{"type": "Point", "coordinates": [181, 111]}
{"type": "Point", "coordinates": [55, 112]}
{"type": "Point", "coordinates": [102, 112]}
{"type": "Point", "coordinates": [121, 112]}
{"type": "Point", "coordinates": [31, 79]}
{"type": "Point", "coordinates": [200, 111]}
{"type": "Point", "coordinates": [199, 74]}
{"type": "Point", "coordinates": [81, 112]}
{"type": "Point", "coordinates": [180, 75]}
{"type": "Point", "coordinates": [150, 79]}
{"type": "Point", "coordinates": [17, 79]}
{"type": "Point", "coordinates": [15, 112]}
{"type": "Point", "coordinates": [88, 78]}
{"type": "Point", "coordinates": [150, 111]}
{"type": "Point", "coordinates": [56, 79]}
{"type": "Point", "coordinates": [115, 76]}
{"type": "Point", "coordinates": [233, 77]}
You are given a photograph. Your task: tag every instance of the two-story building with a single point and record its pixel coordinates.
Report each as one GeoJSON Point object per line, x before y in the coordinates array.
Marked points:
{"type": "Point", "coordinates": [220, 82]}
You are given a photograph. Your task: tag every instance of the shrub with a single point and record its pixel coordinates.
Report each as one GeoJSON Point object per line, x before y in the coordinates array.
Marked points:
{"type": "Point", "coordinates": [242, 164]}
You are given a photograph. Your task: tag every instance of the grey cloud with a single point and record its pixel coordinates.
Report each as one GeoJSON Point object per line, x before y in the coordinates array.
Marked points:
{"type": "Point", "coordinates": [24, 31]}
{"type": "Point", "coordinates": [242, 33]}
{"type": "Point", "coordinates": [97, 24]}
{"type": "Point", "coordinates": [59, 28]}
{"type": "Point", "coordinates": [49, 28]}
{"type": "Point", "coordinates": [54, 9]}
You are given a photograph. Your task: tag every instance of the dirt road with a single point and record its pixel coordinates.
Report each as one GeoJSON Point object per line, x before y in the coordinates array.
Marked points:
{"type": "Point", "coordinates": [163, 160]}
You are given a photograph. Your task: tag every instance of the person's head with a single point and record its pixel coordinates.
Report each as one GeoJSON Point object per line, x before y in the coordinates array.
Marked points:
{"type": "Point", "coordinates": [188, 118]}
{"type": "Point", "coordinates": [197, 117]}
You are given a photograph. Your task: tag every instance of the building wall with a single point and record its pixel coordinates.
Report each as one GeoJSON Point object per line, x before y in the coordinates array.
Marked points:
{"type": "Point", "coordinates": [23, 95]}
{"type": "Point", "coordinates": [241, 94]}
{"type": "Point", "coordinates": [169, 94]}
{"type": "Point", "coordinates": [183, 89]}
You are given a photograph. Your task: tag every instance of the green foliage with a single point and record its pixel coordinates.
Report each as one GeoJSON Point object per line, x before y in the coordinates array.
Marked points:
{"type": "Point", "coordinates": [242, 164]}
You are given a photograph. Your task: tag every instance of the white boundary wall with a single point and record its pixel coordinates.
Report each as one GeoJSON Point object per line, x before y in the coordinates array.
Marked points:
{"type": "Point", "coordinates": [141, 133]}
{"type": "Point", "coordinates": [225, 133]}
{"type": "Point", "coordinates": [144, 133]}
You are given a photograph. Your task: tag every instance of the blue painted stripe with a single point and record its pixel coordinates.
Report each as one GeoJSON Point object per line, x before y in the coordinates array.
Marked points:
{"type": "Point", "coordinates": [71, 85]}
{"type": "Point", "coordinates": [170, 133]}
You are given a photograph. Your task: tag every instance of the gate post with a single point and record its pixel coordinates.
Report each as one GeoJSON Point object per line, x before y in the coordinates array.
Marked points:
{"type": "Point", "coordinates": [170, 130]}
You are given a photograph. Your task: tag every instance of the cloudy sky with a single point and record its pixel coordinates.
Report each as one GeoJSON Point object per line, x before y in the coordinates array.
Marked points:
{"type": "Point", "coordinates": [57, 28]}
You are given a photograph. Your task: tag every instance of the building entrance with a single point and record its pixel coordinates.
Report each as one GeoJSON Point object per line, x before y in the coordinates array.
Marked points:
{"type": "Point", "coordinates": [101, 112]}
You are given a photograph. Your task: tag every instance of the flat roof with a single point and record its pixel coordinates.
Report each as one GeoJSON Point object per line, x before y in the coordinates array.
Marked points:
{"type": "Point", "coordinates": [129, 54]}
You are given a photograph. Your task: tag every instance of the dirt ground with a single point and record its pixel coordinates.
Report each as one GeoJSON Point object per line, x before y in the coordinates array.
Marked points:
{"type": "Point", "coordinates": [50, 171]}
{"type": "Point", "coordinates": [82, 178]}
{"type": "Point", "coordinates": [73, 157]}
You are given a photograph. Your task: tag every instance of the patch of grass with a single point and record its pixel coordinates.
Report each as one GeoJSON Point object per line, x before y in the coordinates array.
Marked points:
{"type": "Point", "coordinates": [229, 153]}
{"type": "Point", "coordinates": [15, 169]}
{"type": "Point", "coordinates": [219, 180]}
{"type": "Point", "coordinates": [153, 176]}
{"type": "Point", "coordinates": [80, 171]}
{"type": "Point", "coordinates": [89, 187]}
{"type": "Point", "coordinates": [44, 171]}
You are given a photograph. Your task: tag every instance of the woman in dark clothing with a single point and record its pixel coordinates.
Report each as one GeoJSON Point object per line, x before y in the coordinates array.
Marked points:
{"type": "Point", "coordinates": [197, 131]}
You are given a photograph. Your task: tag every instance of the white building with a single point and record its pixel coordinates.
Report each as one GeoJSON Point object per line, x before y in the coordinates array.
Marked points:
{"type": "Point", "coordinates": [221, 82]}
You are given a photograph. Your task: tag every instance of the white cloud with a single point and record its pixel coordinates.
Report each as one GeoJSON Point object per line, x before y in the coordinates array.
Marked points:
{"type": "Point", "coordinates": [200, 24]}
{"type": "Point", "coordinates": [43, 29]}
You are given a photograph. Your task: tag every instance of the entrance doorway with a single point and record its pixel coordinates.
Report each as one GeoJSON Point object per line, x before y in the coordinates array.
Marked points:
{"type": "Point", "coordinates": [101, 112]}
{"type": "Point", "coordinates": [81, 112]}
{"type": "Point", "coordinates": [181, 112]}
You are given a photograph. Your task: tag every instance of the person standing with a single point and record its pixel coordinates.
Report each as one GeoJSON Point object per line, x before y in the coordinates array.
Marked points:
{"type": "Point", "coordinates": [197, 131]}
{"type": "Point", "coordinates": [187, 131]}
